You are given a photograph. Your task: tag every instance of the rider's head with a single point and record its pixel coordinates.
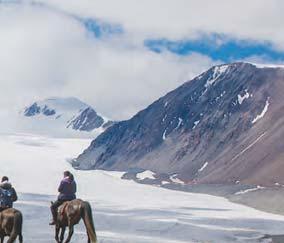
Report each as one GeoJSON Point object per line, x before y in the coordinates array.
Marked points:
{"type": "Point", "coordinates": [66, 173]}
{"type": "Point", "coordinates": [71, 177]}
{"type": "Point", "coordinates": [4, 178]}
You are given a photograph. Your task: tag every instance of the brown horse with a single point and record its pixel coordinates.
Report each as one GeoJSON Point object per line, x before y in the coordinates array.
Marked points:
{"type": "Point", "coordinates": [69, 214]}
{"type": "Point", "coordinates": [11, 221]}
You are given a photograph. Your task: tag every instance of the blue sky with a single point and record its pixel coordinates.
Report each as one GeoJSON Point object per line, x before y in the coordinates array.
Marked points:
{"type": "Point", "coordinates": [219, 47]}
{"type": "Point", "coordinates": [100, 29]}
{"type": "Point", "coordinates": [229, 50]}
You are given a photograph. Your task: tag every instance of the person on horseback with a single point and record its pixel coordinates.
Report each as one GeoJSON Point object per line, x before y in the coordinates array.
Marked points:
{"type": "Point", "coordinates": [67, 192]}
{"type": "Point", "coordinates": [8, 194]}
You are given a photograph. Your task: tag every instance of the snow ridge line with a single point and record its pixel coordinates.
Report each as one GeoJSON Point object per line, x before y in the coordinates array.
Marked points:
{"type": "Point", "coordinates": [248, 147]}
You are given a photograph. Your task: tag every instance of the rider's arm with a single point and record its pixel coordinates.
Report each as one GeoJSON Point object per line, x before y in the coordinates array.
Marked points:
{"type": "Point", "coordinates": [75, 187]}
{"type": "Point", "coordinates": [61, 186]}
{"type": "Point", "coordinates": [14, 195]}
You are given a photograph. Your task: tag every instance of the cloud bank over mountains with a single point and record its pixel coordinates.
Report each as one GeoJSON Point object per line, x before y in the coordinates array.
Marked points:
{"type": "Point", "coordinates": [96, 50]}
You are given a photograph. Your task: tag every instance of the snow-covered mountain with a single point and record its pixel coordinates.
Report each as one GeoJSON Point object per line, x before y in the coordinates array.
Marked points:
{"type": "Point", "coordinates": [224, 126]}
{"type": "Point", "coordinates": [55, 116]}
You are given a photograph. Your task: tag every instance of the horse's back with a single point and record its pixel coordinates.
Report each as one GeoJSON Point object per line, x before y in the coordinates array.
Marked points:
{"type": "Point", "coordinates": [70, 211]}
{"type": "Point", "coordinates": [11, 219]}
{"type": "Point", "coordinates": [11, 212]}
{"type": "Point", "coordinates": [69, 205]}
{"type": "Point", "coordinates": [76, 201]}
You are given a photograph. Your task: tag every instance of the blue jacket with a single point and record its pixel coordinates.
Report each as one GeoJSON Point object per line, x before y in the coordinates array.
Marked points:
{"type": "Point", "coordinates": [11, 195]}
{"type": "Point", "coordinates": [67, 189]}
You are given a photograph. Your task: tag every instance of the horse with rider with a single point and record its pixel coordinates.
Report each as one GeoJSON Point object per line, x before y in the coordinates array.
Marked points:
{"type": "Point", "coordinates": [11, 219]}
{"type": "Point", "coordinates": [67, 211]}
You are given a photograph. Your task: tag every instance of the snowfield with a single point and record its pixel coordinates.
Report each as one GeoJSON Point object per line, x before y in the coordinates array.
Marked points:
{"type": "Point", "coordinates": [124, 211]}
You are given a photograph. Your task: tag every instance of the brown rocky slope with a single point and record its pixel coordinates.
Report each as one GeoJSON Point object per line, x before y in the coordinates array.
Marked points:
{"type": "Point", "coordinates": [224, 126]}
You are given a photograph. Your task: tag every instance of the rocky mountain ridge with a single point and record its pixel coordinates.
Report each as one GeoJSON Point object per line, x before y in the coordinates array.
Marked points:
{"type": "Point", "coordinates": [224, 126]}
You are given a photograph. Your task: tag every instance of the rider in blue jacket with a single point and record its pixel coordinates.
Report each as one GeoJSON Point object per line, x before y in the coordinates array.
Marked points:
{"type": "Point", "coordinates": [8, 194]}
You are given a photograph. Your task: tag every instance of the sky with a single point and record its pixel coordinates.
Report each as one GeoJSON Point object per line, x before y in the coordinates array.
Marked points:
{"type": "Point", "coordinates": [120, 56]}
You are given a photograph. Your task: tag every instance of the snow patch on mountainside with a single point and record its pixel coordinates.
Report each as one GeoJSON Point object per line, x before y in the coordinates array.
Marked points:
{"type": "Point", "coordinates": [261, 115]}
{"type": "Point", "coordinates": [250, 146]}
{"type": "Point", "coordinates": [195, 124]}
{"type": "Point", "coordinates": [147, 174]}
{"type": "Point", "coordinates": [249, 190]}
{"type": "Point", "coordinates": [176, 180]}
{"type": "Point", "coordinates": [179, 123]}
{"type": "Point", "coordinates": [164, 134]}
{"type": "Point", "coordinates": [203, 167]}
{"type": "Point", "coordinates": [217, 72]}
{"type": "Point", "coordinates": [259, 65]}
{"type": "Point", "coordinates": [241, 98]}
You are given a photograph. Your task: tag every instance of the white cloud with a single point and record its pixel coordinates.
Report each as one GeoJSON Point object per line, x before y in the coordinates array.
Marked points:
{"type": "Point", "coordinates": [47, 53]}
{"type": "Point", "coordinates": [261, 59]}
{"type": "Point", "coordinates": [259, 20]}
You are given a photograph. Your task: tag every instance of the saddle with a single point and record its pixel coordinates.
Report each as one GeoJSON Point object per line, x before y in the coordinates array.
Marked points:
{"type": "Point", "coordinates": [62, 208]}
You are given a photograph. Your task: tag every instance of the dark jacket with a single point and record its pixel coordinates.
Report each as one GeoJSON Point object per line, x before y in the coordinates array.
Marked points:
{"type": "Point", "coordinates": [6, 185]}
{"type": "Point", "coordinates": [67, 189]}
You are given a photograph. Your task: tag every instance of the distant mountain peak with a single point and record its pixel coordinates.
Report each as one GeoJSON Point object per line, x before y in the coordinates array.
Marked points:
{"type": "Point", "coordinates": [32, 110]}
{"type": "Point", "coordinates": [53, 105]}
{"type": "Point", "coordinates": [64, 113]}
{"type": "Point", "coordinates": [88, 120]}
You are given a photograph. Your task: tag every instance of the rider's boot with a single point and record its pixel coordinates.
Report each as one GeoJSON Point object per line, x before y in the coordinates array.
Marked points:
{"type": "Point", "coordinates": [54, 216]}
{"type": "Point", "coordinates": [52, 222]}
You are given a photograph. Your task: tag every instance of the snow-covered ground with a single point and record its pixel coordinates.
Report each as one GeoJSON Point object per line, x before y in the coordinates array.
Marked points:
{"type": "Point", "coordinates": [124, 211]}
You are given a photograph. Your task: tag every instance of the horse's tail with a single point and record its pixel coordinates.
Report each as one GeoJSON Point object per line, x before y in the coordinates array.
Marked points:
{"type": "Point", "coordinates": [88, 221]}
{"type": "Point", "coordinates": [17, 228]}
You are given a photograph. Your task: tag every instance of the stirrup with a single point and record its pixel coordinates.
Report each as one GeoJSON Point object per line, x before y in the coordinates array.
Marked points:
{"type": "Point", "coordinates": [52, 223]}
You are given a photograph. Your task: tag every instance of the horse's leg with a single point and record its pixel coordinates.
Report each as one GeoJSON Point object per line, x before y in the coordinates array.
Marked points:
{"type": "Point", "coordinates": [57, 229]}
{"type": "Point", "coordinates": [70, 233]}
{"type": "Point", "coordinates": [12, 238]}
{"type": "Point", "coordinates": [62, 234]}
{"type": "Point", "coordinates": [20, 238]}
{"type": "Point", "coordinates": [89, 240]}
